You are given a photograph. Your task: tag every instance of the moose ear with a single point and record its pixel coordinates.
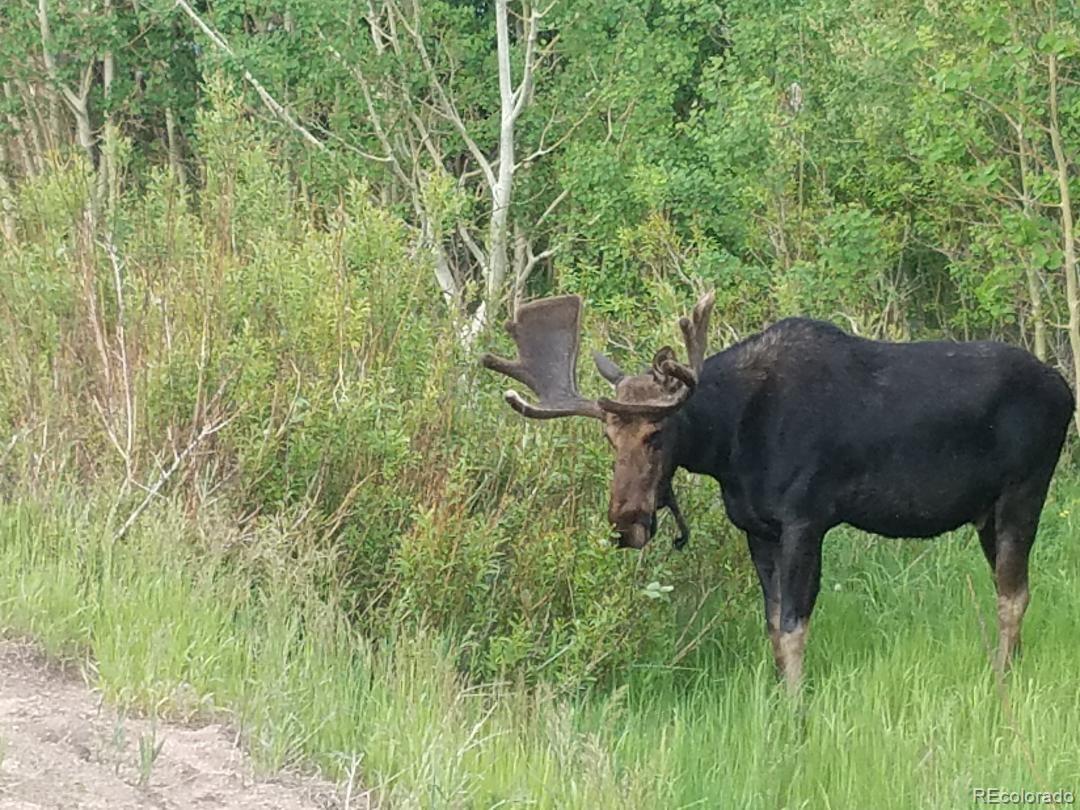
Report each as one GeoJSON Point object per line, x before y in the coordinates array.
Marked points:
{"type": "Point", "coordinates": [669, 372]}
{"type": "Point", "coordinates": [607, 368]}
{"type": "Point", "coordinates": [662, 356]}
{"type": "Point", "coordinates": [658, 369]}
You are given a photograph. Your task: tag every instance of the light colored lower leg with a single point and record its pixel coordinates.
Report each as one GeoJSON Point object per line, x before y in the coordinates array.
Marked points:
{"type": "Point", "coordinates": [773, 620]}
{"type": "Point", "coordinates": [1010, 609]}
{"type": "Point", "coordinates": [790, 648]}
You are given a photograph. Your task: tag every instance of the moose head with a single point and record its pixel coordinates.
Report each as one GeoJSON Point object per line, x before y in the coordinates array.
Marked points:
{"type": "Point", "coordinates": [637, 420]}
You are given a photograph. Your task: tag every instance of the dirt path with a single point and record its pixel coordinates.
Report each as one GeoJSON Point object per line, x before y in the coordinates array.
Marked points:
{"type": "Point", "coordinates": [61, 748]}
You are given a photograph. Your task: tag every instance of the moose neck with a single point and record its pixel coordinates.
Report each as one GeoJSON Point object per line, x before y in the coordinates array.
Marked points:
{"type": "Point", "coordinates": [700, 442]}
{"type": "Point", "coordinates": [706, 425]}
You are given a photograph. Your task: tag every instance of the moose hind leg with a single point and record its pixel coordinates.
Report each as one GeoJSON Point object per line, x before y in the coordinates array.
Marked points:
{"type": "Point", "coordinates": [1012, 600]}
{"type": "Point", "coordinates": [764, 553]}
{"type": "Point", "coordinates": [800, 581]}
{"type": "Point", "coordinates": [1016, 521]}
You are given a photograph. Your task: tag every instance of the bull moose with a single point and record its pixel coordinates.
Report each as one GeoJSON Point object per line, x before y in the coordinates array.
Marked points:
{"type": "Point", "coordinates": [805, 427]}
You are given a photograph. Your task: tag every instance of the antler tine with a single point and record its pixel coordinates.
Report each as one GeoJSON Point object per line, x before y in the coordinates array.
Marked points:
{"type": "Point", "coordinates": [695, 331]}
{"type": "Point", "coordinates": [547, 333]}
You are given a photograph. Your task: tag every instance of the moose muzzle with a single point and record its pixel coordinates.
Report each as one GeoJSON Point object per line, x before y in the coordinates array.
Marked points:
{"type": "Point", "coordinates": [634, 535]}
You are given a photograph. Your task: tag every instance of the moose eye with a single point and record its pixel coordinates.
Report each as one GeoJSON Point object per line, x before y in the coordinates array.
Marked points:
{"type": "Point", "coordinates": [655, 439]}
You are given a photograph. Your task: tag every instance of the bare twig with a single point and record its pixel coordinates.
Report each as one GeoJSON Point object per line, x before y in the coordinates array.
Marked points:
{"type": "Point", "coordinates": [277, 109]}
{"type": "Point", "coordinates": [685, 649]}
{"type": "Point", "coordinates": [207, 431]}
{"type": "Point", "coordinates": [125, 370]}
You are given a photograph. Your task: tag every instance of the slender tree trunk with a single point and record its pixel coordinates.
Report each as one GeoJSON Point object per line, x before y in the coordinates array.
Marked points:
{"type": "Point", "coordinates": [500, 192]}
{"type": "Point", "coordinates": [107, 191]}
{"type": "Point", "coordinates": [498, 242]}
{"type": "Point", "coordinates": [176, 165]}
{"type": "Point", "coordinates": [1034, 280]}
{"type": "Point", "coordinates": [444, 276]}
{"type": "Point", "coordinates": [28, 127]}
{"type": "Point", "coordinates": [7, 199]}
{"type": "Point", "coordinates": [387, 23]}
{"type": "Point", "coordinates": [84, 133]}
{"type": "Point", "coordinates": [1072, 293]}
{"type": "Point", "coordinates": [77, 103]}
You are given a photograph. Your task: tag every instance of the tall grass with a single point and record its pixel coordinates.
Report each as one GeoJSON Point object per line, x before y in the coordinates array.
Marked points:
{"type": "Point", "coordinates": [901, 707]}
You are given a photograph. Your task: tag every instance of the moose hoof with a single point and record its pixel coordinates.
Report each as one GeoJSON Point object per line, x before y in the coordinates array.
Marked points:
{"type": "Point", "coordinates": [679, 543]}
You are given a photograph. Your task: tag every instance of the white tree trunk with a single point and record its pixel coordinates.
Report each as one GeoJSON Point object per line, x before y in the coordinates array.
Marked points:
{"type": "Point", "coordinates": [107, 191]}
{"type": "Point", "coordinates": [389, 23]}
{"type": "Point", "coordinates": [77, 103]}
{"type": "Point", "coordinates": [501, 191]}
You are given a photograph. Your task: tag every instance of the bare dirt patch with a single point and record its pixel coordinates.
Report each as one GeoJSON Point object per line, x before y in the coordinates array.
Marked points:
{"type": "Point", "coordinates": [60, 747]}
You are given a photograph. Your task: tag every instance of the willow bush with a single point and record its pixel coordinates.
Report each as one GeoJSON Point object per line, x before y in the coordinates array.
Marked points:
{"type": "Point", "coordinates": [296, 370]}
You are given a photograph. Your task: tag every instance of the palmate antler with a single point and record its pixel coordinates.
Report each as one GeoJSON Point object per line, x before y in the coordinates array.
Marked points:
{"type": "Point", "coordinates": [547, 334]}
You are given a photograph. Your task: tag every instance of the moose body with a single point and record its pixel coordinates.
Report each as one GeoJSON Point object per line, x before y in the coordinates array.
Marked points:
{"type": "Point", "coordinates": [806, 427]}
{"type": "Point", "coordinates": [805, 424]}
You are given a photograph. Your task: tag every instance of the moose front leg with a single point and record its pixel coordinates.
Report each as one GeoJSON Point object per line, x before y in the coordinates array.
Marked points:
{"type": "Point", "coordinates": [799, 575]}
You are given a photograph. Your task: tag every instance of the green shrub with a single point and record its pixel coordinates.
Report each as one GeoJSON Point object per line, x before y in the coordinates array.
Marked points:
{"type": "Point", "coordinates": [310, 380]}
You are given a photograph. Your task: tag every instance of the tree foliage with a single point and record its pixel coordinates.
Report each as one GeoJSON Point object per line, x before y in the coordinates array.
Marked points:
{"type": "Point", "coordinates": [888, 165]}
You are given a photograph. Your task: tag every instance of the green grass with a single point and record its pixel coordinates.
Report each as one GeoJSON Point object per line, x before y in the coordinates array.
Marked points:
{"type": "Point", "coordinates": [900, 709]}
